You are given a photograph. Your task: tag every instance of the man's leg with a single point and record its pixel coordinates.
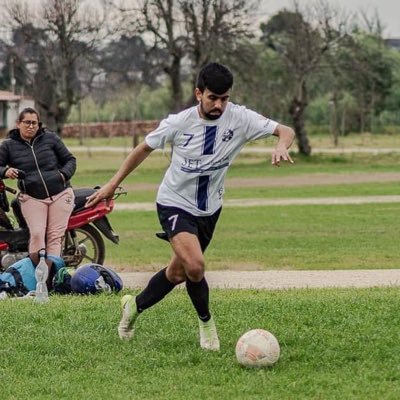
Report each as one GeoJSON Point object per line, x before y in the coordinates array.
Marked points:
{"type": "Point", "coordinates": [158, 287]}
{"type": "Point", "coordinates": [188, 250]}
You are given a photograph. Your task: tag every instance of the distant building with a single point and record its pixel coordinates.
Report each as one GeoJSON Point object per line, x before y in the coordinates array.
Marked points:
{"type": "Point", "coordinates": [10, 106]}
{"type": "Point", "coordinates": [393, 43]}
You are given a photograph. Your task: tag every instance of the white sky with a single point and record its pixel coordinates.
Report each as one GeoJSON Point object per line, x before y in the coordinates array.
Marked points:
{"type": "Point", "coordinates": [388, 11]}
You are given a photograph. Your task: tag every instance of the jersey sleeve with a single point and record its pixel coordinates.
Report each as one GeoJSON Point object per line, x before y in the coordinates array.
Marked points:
{"type": "Point", "coordinates": [163, 134]}
{"type": "Point", "coordinates": [258, 126]}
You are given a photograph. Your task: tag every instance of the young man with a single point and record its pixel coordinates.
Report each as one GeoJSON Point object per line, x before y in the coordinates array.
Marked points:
{"type": "Point", "coordinates": [205, 139]}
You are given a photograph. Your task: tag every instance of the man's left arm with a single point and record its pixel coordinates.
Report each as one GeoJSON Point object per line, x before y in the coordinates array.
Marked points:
{"type": "Point", "coordinates": [281, 152]}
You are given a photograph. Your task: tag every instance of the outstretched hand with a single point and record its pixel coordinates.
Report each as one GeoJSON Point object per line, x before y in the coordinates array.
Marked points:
{"type": "Point", "coordinates": [105, 192]}
{"type": "Point", "coordinates": [281, 153]}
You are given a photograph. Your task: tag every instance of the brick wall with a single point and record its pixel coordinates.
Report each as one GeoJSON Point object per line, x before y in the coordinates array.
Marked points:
{"type": "Point", "coordinates": [109, 129]}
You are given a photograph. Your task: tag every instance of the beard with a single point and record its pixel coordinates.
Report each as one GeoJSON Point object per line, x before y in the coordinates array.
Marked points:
{"type": "Point", "coordinates": [208, 115]}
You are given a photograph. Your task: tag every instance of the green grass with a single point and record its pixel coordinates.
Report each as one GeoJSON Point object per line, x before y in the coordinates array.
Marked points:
{"type": "Point", "coordinates": [142, 184]}
{"type": "Point", "coordinates": [100, 166]}
{"type": "Point", "coordinates": [309, 191]}
{"type": "Point", "coordinates": [335, 344]}
{"type": "Point", "coordinates": [287, 237]}
{"type": "Point", "coordinates": [276, 237]}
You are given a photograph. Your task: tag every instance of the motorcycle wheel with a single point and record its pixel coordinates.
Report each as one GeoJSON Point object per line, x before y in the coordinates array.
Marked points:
{"type": "Point", "coordinates": [88, 246]}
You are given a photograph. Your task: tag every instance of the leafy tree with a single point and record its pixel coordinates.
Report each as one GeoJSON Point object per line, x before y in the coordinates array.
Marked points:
{"type": "Point", "coordinates": [366, 74]}
{"type": "Point", "coordinates": [128, 60]}
{"type": "Point", "coordinates": [392, 101]}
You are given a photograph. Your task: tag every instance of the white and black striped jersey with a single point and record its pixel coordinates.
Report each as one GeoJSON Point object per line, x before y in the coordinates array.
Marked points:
{"type": "Point", "coordinates": [202, 151]}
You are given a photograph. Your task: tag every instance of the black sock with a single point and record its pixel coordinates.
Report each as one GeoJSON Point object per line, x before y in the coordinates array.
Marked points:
{"type": "Point", "coordinates": [199, 294]}
{"type": "Point", "coordinates": [157, 288]}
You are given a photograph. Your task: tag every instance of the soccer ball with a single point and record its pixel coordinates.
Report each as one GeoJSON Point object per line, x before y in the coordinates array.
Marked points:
{"type": "Point", "coordinates": [257, 348]}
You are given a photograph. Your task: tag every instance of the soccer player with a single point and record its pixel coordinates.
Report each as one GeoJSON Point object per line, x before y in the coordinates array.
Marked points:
{"type": "Point", "coordinates": [205, 139]}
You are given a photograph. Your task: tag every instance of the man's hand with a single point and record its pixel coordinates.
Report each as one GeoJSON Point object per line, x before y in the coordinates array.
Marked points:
{"type": "Point", "coordinates": [280, 153]}
{"type": "Point", "coordinates": [105, 192]}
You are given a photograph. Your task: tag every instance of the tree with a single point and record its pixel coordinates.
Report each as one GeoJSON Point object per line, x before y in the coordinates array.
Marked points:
{"type": "Point", "coordinates": [366, 73]}
{"type": "Point", "coordinates": [301, 39]}
{"type": "Point", "coordinates": [192, 33]}
{"type": "Point", "coordinates": [55, 49]}
{"type": "Point", "coordinates": [128, 60]}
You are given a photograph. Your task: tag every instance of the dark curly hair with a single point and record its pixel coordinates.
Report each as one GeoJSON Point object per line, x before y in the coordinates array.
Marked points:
{"type": "Point", "coordinates": [215, 77]}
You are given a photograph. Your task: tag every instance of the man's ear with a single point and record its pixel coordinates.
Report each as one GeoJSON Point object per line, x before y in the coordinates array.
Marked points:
{"type": "Point", "coordinates": [198, 93]}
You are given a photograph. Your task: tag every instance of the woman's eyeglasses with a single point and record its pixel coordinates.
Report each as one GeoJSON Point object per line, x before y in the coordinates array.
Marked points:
{"type": "Point", "coordinates": [28, 123]}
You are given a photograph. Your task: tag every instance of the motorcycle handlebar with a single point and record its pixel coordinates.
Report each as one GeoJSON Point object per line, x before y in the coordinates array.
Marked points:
{"type": "Point", "coordinates": [120, 191]}
{"type": "Point", "coordinates": [9, 189]}
{"type": "Point", "coordinates": [21, 174]}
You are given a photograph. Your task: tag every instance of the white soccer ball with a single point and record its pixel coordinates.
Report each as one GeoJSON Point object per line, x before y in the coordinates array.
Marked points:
{"type": "Point", "coordinates": [257, 348]}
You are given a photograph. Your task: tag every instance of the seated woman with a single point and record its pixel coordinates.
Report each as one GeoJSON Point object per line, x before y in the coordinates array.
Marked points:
{"type": "Point", "coordinates": [46, 196]}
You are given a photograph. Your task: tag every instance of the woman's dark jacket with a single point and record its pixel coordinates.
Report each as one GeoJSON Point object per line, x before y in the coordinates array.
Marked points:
{"type": "Point", "coordinates": [43, 161]}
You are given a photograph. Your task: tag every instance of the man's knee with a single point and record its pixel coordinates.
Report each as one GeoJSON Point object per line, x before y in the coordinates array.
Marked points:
{"type": "Point", "coordinates": [195, 270]}
{"type": "Point", "coordinates": [176, 276]}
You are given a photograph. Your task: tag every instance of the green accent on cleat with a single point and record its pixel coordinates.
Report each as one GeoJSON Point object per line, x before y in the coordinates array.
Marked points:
{"type": "Point", "coordinates": [208, 335]}
{"type": "Point", "coordinates": [129, 315]}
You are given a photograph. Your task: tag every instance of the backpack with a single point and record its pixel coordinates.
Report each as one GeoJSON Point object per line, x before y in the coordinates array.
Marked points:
{"type": "Point", "coordinates": [19, 278]}
{"type": "Point", "coordinates": [62, 280]}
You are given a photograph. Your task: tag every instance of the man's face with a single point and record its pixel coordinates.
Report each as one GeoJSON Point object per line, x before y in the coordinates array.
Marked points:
{"type": "Point", "coordinates": [211, 105]}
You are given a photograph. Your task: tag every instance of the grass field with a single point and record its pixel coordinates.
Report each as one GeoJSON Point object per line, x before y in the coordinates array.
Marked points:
{"type": "Point", "coordinates": [279, 237]}
{"type": "Point", "coordinates": [335, 344]}
{"type": "Point", "coordinates": [289, 237]}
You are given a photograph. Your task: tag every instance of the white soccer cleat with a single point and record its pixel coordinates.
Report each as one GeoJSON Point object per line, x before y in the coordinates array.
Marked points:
{"type": "Point", "coordinates": [129, 315]}
{"type": "Point", "coordinates": [208, 335]}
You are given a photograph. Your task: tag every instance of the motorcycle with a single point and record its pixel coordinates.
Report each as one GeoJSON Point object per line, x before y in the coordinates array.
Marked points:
{"type": "Point", "coordinates": [83, 241]}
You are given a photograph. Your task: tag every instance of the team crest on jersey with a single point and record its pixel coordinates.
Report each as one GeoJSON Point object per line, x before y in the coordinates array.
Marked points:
{"type": "Point", "coordinates": [227, 135]}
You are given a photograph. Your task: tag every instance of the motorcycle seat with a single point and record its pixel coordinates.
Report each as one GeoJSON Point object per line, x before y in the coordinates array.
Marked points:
{"type": "Point", "coordinates": [81, 197]}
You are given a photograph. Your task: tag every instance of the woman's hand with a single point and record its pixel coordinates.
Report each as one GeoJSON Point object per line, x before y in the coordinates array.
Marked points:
{"type": "Point", "coordinates": [11, 173]}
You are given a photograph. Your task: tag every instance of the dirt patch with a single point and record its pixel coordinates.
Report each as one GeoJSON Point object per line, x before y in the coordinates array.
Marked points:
{"type": "Point", "coordinates": [273, 280]}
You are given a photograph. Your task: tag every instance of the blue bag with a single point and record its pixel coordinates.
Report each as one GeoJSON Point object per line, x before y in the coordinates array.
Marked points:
{"type": "Point", "coordinates": [19, 278]}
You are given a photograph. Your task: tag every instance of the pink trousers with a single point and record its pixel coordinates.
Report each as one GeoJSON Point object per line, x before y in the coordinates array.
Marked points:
{"type": "Point", "coordinates": [47, 220]}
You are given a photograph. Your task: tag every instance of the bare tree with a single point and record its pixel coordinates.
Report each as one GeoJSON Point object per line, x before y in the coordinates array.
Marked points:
{"type": "Point", "coordinates": [191, 32]}
{"type": "Point", "coordinates": [55, 40]}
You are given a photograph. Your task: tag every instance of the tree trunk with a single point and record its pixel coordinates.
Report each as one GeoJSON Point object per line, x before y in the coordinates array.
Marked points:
{"type": "Point", "coordinates": [174, 72]}
{"type": "Point", "coordinates": [333, 120]}
{"type": "Point", "coordinates": [296, 110]}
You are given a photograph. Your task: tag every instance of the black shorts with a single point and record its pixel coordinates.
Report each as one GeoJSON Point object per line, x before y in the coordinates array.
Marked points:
{"type": "Point", "coordinates": [175, 220]}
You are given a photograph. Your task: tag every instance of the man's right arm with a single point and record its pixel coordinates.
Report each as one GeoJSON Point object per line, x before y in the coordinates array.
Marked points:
{"type": "Point", "coordinates": [135, 158]}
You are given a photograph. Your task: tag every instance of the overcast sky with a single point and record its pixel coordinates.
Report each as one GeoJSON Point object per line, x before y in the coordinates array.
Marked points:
{"type": "Point", "coordinates": [388, 11]}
